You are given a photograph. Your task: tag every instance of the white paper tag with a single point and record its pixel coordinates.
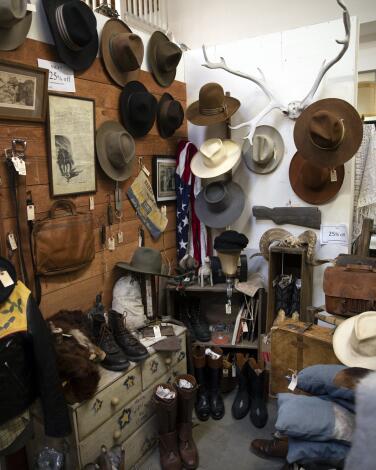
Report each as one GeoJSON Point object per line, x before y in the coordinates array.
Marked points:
{"type": "Point", "coordinates": [212, 354]}
{"type": "Point", "coordinates": [120, 237]}
{"type": "Point", "coordinates": [5, 279]}
{"type": "Point", "coordinates": [225, 372]}
{"type": "Point", "coordinates": [336, 234]}
{"type": "Point", "coordinates": [111, 243]}
{"type": "Point", "coordinates": [145, 170]}
{"type": "Point", "coordinates": [21, 167]}
{"type": "Point", "coordinates": [60, 77]}
{"type": "Point", "coordinates": [333, 175]}
{"type": "Point", "coordinates": [91, 203]}
{"type": "Point", "coordinates": [293, 383]}
{"type": "Point", "coordinates": [12, 241]}
{"type": "Point", "coordinates": [244, 327]}
{"type": "Point", "coordinates": [165, 393]}
{"type": "Point", "coordinates": [157, 331]}
{"type": "Point", "coordinates": [228, 308]}
{"type": "Point", "coordinates": [31, 7]}
{"type": "Point", "coordinates": [30, 212]}
{"type": "Point", "coordinates": [234, 370]}
{"type": "Point", "coordinates": [16, 163]}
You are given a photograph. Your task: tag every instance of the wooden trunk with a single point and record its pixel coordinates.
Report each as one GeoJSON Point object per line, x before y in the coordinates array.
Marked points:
{"type": "Point", "coordinates": [293, 349]}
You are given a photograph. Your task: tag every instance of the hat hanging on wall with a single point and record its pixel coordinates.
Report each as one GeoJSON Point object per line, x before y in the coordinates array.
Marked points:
{"type": "Point", "coordinates": [328, 133]}
{"type": "Point", "coordinates": [122, 51]}
{"type": "Point", "coordinates": [145, 260]}
{"type": "Point", "coordinates": [7, 266]}
{"type": "Point", "coordinates": [170, 115]}
{"type": "Point", "coordinates": [116, 150]}
{"type": "Point", "coordinates": [163, 58]}
{"type": "Point", "coordinates": [266, 152]}
{"type": "Point", "coordinates": [215, 158]}
{"type": "Point", "coordinates": [138, 109]}
{"type": "Point", "coordinates": [15, 22]}
{"type": "Point", "coordinates": [212, 107]}
{"type": "Point", "coordinates": [220, 204]}
{"type": "Point", "coordinates": [313, 184]}
{"type": "Point", "coordinates": [74, 29]}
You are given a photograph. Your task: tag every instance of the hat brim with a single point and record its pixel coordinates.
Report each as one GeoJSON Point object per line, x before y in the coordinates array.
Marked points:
{"type": "Point", "coordinates": [7, 266]}
{"type": "Point", "coordinates": [320, 196]}
{"type": "Point", "coordinates": [165, 131]}
{"type": "Point", "coordinates": [247, 151]}
{"type": "Point", "coordinates": [100, 143]}
{"type": "Point", "coordinates": [270, 236]}
{"type": "Point", "coordinates": [199, 169]}
{"type": "Point", "coordinates": [14, 37]}
{"type": "Point", "coordinates": [77, 60]}
{"type": "Point", "coordinates": [129, 267]}
{"type": "Point", "coordinates": [351, 141]}
{"type": "Point", "coordinates": [164, 79]}
{"type": "Point", "coordinates": [345, 352]}
{"type": "Point", "coordinates": [225, 217]}
{"type": "Point", "coordinates": [111, 28]}
{"type": "Point", "coordinates": [195, 117]}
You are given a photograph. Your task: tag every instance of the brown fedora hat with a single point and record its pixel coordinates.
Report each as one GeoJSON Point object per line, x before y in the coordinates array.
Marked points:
{"type": "Point", "coordinates": [314, 184]}
{"type": "Point", "coordinates": [122, 51]}
{"type": "Point", "coordinates": [15, 22]}
{"type": "Point", "coordinates": [170, 115]}
{"type": "Point", "coordinates": [329, 132]}
{"type": "Point", "coordinates": [163, 57]}
{"type": "Point", "coordinates": [213, 106]}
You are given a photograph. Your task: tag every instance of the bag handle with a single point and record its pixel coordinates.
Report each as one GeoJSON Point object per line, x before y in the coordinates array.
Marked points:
{"type": "Point", "coordinates": [65, 204]}
{"type": "Point", "coordinates": [360, 268]}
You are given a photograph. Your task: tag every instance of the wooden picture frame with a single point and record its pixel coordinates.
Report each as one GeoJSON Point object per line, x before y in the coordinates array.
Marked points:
{"type": "Point", "coordinates": [71, 141]}
{"type": "Point", "coordinates": [163, 178]}
{"type": "Point", "coordinates": [23, 92]}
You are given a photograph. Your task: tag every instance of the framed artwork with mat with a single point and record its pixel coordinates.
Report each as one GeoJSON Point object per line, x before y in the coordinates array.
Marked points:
{"type": "Point", "coordinates": [163, 179]}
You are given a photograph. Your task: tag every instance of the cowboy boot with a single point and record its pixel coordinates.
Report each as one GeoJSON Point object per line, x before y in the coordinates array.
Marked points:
{"type": "Point", "coordinates": [295, 297]}
{"type": "Point", "coordinates": [242, 402]}
{"type": "Point", "coordinates": [202, 405]}
{"type": "Point", "coordinates": [166, 411]}
{"type": "Point", "coordinates": [217, 407]}
{"type": "Point", "coordinates": [199, 322]}
{"type": "Point", "coordinates": [186, 399]}
{"type": "Point", "coordinates": [257, 387]}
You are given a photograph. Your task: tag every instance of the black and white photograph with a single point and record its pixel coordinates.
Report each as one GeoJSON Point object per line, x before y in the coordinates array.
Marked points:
{"type": "Point", "coordinates": [65, 161]}
{"type": "Point", "coordinates": [17, 91]}
{"type": "Point", "coordinates": [164, 168]}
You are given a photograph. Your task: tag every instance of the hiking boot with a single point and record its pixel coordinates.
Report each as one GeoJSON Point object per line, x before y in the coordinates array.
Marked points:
{"type": "Point", "coordinates": [199, 322]}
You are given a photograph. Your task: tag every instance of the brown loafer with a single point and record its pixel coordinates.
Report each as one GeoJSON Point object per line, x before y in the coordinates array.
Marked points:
{"type": "Point", "coordinates": [270, 448]}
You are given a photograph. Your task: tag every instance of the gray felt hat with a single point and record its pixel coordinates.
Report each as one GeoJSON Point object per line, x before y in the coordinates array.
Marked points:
{"type": "Point", "coordinates": [145, 260]}
{"type": "Point", "coordinates": [15, 22]}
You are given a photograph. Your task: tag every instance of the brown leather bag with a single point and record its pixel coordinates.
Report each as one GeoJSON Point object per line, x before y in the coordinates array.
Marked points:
{"type": "Point", "coordinates": [63, 244]}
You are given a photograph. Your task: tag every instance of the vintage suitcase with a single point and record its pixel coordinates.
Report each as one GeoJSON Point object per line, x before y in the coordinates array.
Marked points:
{"type": "Point", "coordinates": [294, 347]}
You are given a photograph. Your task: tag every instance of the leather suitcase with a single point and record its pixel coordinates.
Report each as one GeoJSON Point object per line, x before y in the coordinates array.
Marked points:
{"type": "Point", "coordinates": [294, 347]}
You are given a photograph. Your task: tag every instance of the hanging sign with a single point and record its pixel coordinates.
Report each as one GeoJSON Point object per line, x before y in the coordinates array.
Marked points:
{"type": "Point", "coordinates": [336, 234]}
{"type": "Point", "coordinates": [60, 76]}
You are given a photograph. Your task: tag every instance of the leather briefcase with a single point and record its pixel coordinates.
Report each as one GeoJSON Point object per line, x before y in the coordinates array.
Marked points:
{"type": "Point", "coordinates": [65, 243]}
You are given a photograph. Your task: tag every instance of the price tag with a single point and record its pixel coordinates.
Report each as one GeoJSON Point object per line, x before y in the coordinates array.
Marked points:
{"type": "Point", "coordinates": [12, 241]}
{"type": "Point", "coordinates": [228, 308]}
{"type": "Point", "coordinates": [16, 163]}
{"type": "Point", "coordinates": [333, 175]}
{"type": "Point", "coordinates": [145, 170]}
{"type": "Point", "coordinates": [157, 331]}
{"type": "Point", "coordinates": [336, 234]}
{"type": "Point", "coordinates": [111, 243]}
{"type": "Point", "coordinates": [225, 372]}
{"type": "Point", "coordinates": [60, 77]}
{"type": "Point", "coordinates": [234, 370]}
{"type": "Point", "coordinates": [91, 203]}
{"type": "Point", "coordinates": [244, 327]}
{"type": "Point", "coordinates": [5, 279]}
{"type": "Point", "coordinates": [21, 167]}
{"type": "Point", "coordinates": [30, 212]}
{"type": "Point", "coordinates": [120, 237]}
{"type": "Point", "coordinates": [293, 382]}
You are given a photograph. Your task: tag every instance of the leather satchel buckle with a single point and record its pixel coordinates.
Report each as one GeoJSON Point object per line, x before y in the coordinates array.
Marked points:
{"type": "Point", "coordinates": [19, 146]}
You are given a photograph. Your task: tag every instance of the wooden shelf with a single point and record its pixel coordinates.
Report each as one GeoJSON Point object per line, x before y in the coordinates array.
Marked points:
{"type": "Point", "coordinates": [242, 345]}
{"type": "Point", "coordinates": [196, 288]}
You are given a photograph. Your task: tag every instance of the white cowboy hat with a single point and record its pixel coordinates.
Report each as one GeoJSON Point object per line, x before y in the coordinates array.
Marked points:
{"type": "Point", "coordinates": [354, 341]}
{"type": "Point", "coordinates": [215, 158]}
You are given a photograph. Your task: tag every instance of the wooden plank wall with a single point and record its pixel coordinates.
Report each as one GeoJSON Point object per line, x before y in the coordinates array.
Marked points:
{"type": "Point", "coordinates": [78, 290]}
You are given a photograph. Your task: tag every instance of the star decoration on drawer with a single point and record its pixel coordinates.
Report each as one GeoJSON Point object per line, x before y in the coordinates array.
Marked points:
{"type": "Point", "coordinates": [129, 382]}
{"type": "Point", "coordinates": [154, 366]}
{"type": "Point", "coordinates": [181, 356]}
{"type": "Point", "coordinates": [125, 418]}
{"type": "Point", "coordinates": [97, 405]}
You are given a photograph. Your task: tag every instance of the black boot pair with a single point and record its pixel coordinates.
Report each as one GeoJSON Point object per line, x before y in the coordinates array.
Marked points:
{"type": "Point", "coordinates": [251, 395]}
{"type": "Point", "coordinates": [208, 373]}
{"type": "Point", "coordinates": [287, 294]}
{"type": "Point", "coordinates": [194, 319]}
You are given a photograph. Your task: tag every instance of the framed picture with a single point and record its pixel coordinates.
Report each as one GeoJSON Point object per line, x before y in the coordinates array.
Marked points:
{"type": "Point", "coordinates": [164, 168]}
{"type": "Point", "coordinates": [71, 140]}
{"type": "Point", "coordinates": [23, 92]}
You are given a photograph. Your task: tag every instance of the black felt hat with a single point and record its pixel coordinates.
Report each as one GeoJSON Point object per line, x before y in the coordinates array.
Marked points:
{"type": "Point", "coordinates": [230, 240]}
{"type": "Point", "coordinates": [170, 115]}
{"type": "Point", "coordinates": [74, 29]}
{"type": "Point", "coordinates": [138, 109]}
{"type": "Point", "coordinates": [7, 266]}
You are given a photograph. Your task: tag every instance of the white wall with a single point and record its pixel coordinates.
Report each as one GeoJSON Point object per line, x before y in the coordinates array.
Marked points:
{"type": "Point", "coordinates": [290, 62]}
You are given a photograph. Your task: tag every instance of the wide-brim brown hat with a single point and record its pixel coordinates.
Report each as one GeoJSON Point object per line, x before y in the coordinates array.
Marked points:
{"type": "Point", "coordinates": [15, 22]}
{"type": "Point", "coordinates": [348, 143]}
{"type": "Point", "coordinates": [163, 58]}
{"type": "Point", "coordinates": [145, 261]}
{"type": "Point", "coordinates": [112, 28]}
{"type": "Point", "coordinates": [320, 194]}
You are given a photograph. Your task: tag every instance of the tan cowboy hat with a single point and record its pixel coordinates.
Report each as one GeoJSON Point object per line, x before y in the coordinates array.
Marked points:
{"type": "Point", "coordinates": [215, 158]}
{"type": "Point", "coordinates": [329, 132]}
{"type": "Point", "coordinates": [213, 106]}
{"type": "Point", "coordinates": [354, 341]}
{"type": "Point", "coordinates": [266, 152]}
{"type": "Point", "coordinates": [122, 51]}
{"type": "Point", "coordinates": [163, 57]}
{"type": "Point", "coordinates": [313, 184]}
{"type": "Point", "coordinates": [15, 22]}
{"type": "Point", "coordinates": [116, 150]}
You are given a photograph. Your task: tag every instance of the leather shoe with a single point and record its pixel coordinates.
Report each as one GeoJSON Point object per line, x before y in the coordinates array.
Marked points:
{"type": "Point", "coordinates": [270, 448]}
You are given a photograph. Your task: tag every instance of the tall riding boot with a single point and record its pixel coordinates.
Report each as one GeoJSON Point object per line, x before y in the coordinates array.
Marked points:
{"type": "Point", "coordinates": [242, 401]}
{"type": "Point", "coordinates": [257, 382]}
{"type": "Point", "coordinates": [202, 405]}
{"type": "Point", "coordinates": [166, 411]}
{"type": "Point", "coordinates": [217, 407]}
{"type": "Point", "coordinates": [186, 399]}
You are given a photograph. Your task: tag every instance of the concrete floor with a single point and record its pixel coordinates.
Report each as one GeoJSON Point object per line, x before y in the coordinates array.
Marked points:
{"type": "Point", "coordinates": [224, 444]}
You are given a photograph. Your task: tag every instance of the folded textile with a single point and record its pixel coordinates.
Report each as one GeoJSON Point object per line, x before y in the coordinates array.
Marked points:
{"type": "Point", "coordinates": [331, 453]}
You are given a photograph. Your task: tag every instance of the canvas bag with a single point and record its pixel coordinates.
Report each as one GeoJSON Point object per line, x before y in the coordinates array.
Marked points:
{"type": "Point", "coordinates": [127, 300]}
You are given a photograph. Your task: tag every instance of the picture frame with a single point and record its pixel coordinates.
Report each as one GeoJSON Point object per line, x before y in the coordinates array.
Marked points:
{"type": "Point", "coordinates": [71, 142]}
{"type": "Point", "coordinates": [163, 178]}
{"type": "Point", "coordinates": [23, 92]}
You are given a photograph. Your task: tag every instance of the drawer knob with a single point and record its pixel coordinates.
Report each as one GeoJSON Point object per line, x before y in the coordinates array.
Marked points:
{"type": "Point", "coordinates": [115, 401]}
{"type": "Point", "coordinates": [117, 435]}
{"type": "Point", "coordinates": [168, 361]}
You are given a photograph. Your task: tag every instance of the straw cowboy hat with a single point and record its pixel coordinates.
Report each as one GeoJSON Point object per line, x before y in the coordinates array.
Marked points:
{"type": "Point", "coordinates": [163, 57]}
{"type": "Point", "coordinates": [122, 51]}
{"type": "Point", "coordinates": [215, 158]}
{"type": "Point", "coordinates": [145, 260]}
{"type": "Point", "coordinates": [170, 115]}
{"type": "Point", "coordinates": [116, 150]}
{"type": "Point", "coordinates": [74, 29]}
{"type": "Point", "coordinates": [354, 341]}
{"type": "Point", "coordinates": [313, 184]}
{"type": "Point", "coordinates": [15, 22]}
{"type": "Point", "coordinates": [266, 152]}
{"type": "Point", "coordinates": [328, 133]}
{"type": "Point", "coordinates": [213, 106]}
{"type": "Point", "coordinates": [220, 204]}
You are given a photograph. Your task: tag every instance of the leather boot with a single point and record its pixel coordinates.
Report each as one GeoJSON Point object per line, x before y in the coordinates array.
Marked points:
{"type": "Point", "coordinates": [199, 322]}
{"type": "Point", "coordinates": [202, 405]}
{"type": "Point", "coordinates": [257, 389]}
{"type": "Point", "coordinates": [166, 411]}
{"type": "Point", "coordinates": [217, 407]}
{"type": "Point", "coordinates": [186, 399]}
{"type": "Point", "coordinates": [270, 448]}
{"type": "Point", "coordinates": [131, 346]}
{"type": "Point", "coordinates": [242, 402]}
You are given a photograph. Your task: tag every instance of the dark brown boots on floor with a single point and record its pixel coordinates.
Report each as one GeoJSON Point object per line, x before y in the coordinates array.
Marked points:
{"type": "Point", "coordinates": [174, 406]}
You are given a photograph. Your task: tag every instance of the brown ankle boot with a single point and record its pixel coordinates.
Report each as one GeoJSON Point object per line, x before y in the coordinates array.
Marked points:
{"type": "Point", "coordinates": [166, 411]}
{"type": "Point", "coordinates": [186, 399]}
